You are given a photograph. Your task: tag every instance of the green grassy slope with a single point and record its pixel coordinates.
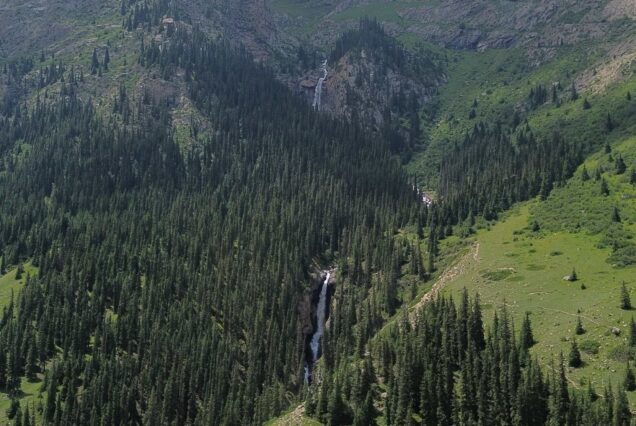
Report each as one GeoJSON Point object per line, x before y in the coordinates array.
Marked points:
{"type": "Point", "coordinates": [523, 271]}
{"type": "Point", "coordinates": [497, 82]}
{"type": "Point", "coordinates": [9, 287]}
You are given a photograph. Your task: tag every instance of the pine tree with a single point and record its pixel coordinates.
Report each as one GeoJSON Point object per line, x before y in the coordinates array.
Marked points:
{"type": "Point", "coordinates": [622, 413]}
{"type": "Point", "coordinates": [574, 358]}
{"type": "Point", "coordinates": [629, 383]}
{"type": "Point", "coordinates": [586, 104]}
{"type": "Point", "coordinates": [573, 93]}
{"type": "Point", "coordinates": [632, 333]}
{"type": "Point", "coordinates": [616, 217]}
{"type": "Point", "coordinates": [579, 326]}
{"type": "Point", "coordinates": [106, 59]}
{"type": "Point", "coordinates": [620, 165]}
{"type": "Point", "coordinates": [609, 124]}
{"type": "Point", "coordinates": [526, 339]}
{"type": "Point", "coordinates": [94, 62]}
{"type": "Point", "coordinates": [19, 271]}
{"type": "Point", "coordinates": [585, 175]}
{"type": "Point", "coordinates": [604, 188]}
{"type": "Point", "coordinates": [626, 303]}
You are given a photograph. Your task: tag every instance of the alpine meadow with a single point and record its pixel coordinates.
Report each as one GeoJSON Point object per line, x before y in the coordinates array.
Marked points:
{"type": "Point", "coordinates": [318, 212]}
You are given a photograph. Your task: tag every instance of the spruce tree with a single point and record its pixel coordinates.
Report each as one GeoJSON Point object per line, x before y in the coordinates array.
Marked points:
{"type": "Point", "coordinates": [626, 303]}
{"type": "Point", "coordinates": [622, 413]}
{"type": "Point", "coordinates": [94, 62]}
{"type": "Point", "coordinates": [574, 358]}
{"type": "Point", "coordinates": [629, 383]}
{"type": "Point", "coordinates": [620, 165]}
{"type": "Point", "coordinates": [604, 188]}
{"type": "Point", "coordinates": [616, 217]}
{"type": "Point", "coordinates": [579, 326]}
{"type": "Point", "coordinates": [106, 59]}
{"type": "Point", "coordinates": [609, 124]}
{"type": "Point", "coordinates": [526, 339]}
{"type": "Point", "coordinates": [585, 175]}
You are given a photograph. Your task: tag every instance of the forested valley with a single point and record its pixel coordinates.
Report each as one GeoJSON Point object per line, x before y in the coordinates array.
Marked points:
{"type": "Point", "coordinates": [169, 211]}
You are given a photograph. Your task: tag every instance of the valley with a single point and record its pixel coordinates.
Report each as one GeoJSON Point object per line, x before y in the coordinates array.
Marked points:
{"type": "Point", "coordinates": [340, 212]}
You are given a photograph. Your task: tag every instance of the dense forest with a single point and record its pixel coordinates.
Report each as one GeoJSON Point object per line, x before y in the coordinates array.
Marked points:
{"type": "Point", "coordinates": [443, 369]}
{"type": "Point", "coordinates": [171, 277]}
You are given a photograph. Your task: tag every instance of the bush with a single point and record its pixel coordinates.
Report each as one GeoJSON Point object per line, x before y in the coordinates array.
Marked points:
{"type": "Point", "coordinates": [589, 347]}
{"type": "Point", "coordinates": [621, 353]}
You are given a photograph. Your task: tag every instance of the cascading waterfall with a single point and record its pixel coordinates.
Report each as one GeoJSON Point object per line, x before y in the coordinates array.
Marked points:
{"type": "Point", "coordinates": [321, 313]}
{"type": "Point", "coordinates": [318, 92]}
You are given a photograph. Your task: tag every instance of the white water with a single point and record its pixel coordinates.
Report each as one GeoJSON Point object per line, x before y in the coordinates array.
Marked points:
{"type": "Point", "coordinates": [318, 92]}
{"type": "Point", "coordinates": [321, 311]}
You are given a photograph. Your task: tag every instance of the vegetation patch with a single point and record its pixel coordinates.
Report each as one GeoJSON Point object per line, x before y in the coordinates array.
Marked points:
{"type": "Point", "coordinates": [498, 275]}
{"type": "Point", "coordinates": [590, 347]}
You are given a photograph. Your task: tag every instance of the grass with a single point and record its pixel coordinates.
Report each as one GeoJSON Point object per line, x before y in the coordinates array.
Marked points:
{"type": "Point", "coordinates": [499, 81]}
{"type": "Point", "coordinates": [579, 206]}
{"type": "Point", "coordinates": [30, 397]}
{"type": "Point", "coordinates": [533, 282]}
{"type": "Point", "coordinates": [9, 286]}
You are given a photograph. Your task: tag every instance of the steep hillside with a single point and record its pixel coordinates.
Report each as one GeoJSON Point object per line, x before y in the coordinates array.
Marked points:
{"type": "Point", "coordinates": [189, 187]}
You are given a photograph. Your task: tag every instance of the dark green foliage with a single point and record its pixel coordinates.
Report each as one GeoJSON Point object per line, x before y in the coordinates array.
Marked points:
{"type": "Point", "coordinates": [579, 327]}
{"type": "Point", "coordinates": [586, 104]}
{"type": "Point", "coordinates": [626, 302]}
{"type": "Point", "coordinates": [106, 59]}
{"type": "Point", "coordinates": [609, 123]}
{"type": "Point", "coordinates": [437, 370]}
{"type": "Point", "coordinates": [585, 175]}
{"type": "Point", "coordinates": [574, 358]}
{"type": "Point", "coordinates": [538, 96]}
{"type": "Point", "coordinates": [170, 279]}
{"type": "Point", "coordinates": [19, 271]}
{"type": "Point", "coordinates": [574, 95]}
{"type": "Point", "coordinates": [629, 383]}
{"type": "Point", "coordinates": [487, 173]}
{"type": "Point", "coordinates": [94, 62]}
{"type": "Point", "coordinates": [622, 413]}
{"type": "Point", "coordinates": [616, 216]}
{"type": "Point", "coordinates": [526, 340]}
{"type": "Point", "coordinates": [604, 190]}
{"type": "Point", "coordinates": [620, 165]}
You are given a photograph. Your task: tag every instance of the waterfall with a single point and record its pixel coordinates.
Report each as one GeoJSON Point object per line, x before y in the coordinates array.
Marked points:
{"type": "Point", "coordinates": [318, 92]}
{"type": "Point", "coordinates": [321, 313]}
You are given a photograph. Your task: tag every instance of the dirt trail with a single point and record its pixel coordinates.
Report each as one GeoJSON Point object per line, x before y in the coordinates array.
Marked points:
{"type": "Point", "coordinates": [460, 267]}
